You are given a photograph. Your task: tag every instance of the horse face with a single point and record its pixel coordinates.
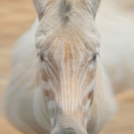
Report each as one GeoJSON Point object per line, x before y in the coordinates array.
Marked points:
{"type": "Point", "coordinates": [67, 53]}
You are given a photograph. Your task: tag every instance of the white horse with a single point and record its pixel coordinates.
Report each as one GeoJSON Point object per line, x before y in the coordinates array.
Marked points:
{"type": "Point", "coordinates": [54, 87]}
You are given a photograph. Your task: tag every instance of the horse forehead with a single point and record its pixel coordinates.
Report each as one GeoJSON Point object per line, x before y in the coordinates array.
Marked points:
{"type": "Point", "coordinates": [68, 52]}
{"type": "Point", "coordinates": [68, 43]}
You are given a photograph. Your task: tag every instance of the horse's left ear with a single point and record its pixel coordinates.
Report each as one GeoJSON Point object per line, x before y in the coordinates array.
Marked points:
{"type": "Point", "coordinates": [94, 6]}
{"type": "Point", "coordinates": [39, 6]}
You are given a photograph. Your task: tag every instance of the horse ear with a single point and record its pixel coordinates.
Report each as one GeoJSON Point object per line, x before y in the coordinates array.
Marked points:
{"type": "Point", "coordinates": [40, 7]}
{"type": "Point", "coordinates": [95, 5]}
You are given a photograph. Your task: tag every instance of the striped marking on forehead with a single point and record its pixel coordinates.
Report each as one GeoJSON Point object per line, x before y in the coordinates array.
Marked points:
{"type": "Point", "coordinates": [68, 72]}
{"type": "Point", "coordinates": [68, 77]}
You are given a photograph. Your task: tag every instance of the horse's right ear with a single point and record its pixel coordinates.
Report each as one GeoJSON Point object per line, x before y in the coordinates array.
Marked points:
{"type": "Point", "coordinates": [40, 7]}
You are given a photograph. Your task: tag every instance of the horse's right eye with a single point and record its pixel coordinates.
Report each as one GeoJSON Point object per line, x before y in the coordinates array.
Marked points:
{"type": "Point", "coordinates": [41, 58]}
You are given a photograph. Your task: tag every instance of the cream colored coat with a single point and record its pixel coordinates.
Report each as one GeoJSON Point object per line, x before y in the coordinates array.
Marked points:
{"type": "Point", "coordinates": [31, 115]}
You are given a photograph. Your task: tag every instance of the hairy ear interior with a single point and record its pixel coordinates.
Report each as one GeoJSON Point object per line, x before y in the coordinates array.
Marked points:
{"type": "Point", "coordinates": [39, 6]}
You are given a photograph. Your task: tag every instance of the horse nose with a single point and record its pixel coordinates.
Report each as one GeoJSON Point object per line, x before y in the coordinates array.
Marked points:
{"type": "Point", "coordinates": [69, 131]}
{"type": "Point", "coordinates": [64, 131]}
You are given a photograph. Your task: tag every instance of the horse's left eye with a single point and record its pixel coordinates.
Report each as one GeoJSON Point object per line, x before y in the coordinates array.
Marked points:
{"type": "Point", "coordinates": [94, 57]}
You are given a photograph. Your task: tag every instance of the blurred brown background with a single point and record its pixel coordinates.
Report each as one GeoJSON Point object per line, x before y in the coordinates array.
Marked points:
{"type": "Point", "coordinates": [16, 16]}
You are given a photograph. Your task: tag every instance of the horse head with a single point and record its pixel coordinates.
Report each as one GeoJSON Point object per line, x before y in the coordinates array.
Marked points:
{"type": "Point", "coordinates": [67, 43]}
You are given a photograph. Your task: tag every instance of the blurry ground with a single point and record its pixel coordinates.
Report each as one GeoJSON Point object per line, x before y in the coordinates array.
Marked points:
{"type": "Point", "coordinates": [16, 16]}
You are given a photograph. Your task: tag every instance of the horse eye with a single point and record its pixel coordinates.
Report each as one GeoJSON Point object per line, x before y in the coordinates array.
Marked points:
{"type": "Point", "coordinates": [41, 58]}
{"type": "Point", "coordinates": [94, 57]}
